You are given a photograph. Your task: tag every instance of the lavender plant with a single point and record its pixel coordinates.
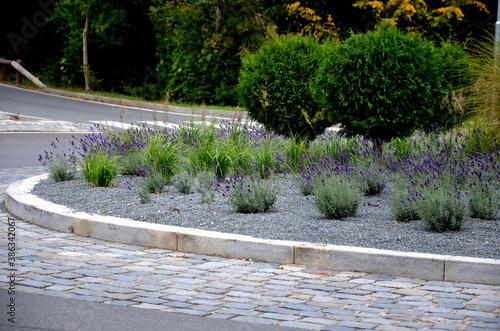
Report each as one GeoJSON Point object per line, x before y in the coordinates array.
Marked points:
{"type": "Point", "coordinates": [443, 211]}
{"type": "Point", "coordinates": [402, 203]}
{"type": "Point", "coordinates": [205, 183]}
{"type": "Point", "coordinates": [144, 196]}
{"type": "Point", "coordinates": [336, 197]}
{"type": "Point", "coordinates": [249, 195]}
{"type": "Point", "coordinates": [60, 169]}
{"type": "Point", "coordinates": [183, 182]}
{"type": "Point", "coordinates": [153, 183]}
{"type": "Point", "coordinates": [368, 179]}
{"type": "Point", "coordinates": [131, 163]}
{"type": "Point", "coordinates": [484, 200]}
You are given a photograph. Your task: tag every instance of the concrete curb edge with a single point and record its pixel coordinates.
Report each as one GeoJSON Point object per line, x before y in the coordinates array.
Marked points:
{"type": "Point", "coordinates": [24, 205]}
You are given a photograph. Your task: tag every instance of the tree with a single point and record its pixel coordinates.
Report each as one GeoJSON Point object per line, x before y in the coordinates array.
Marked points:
{"type": "Point", "coordinates": [309, 21]}
{"type": "Point", "coordinates": [436, 18]}
{"type": "Point", "coordinates": [200, 45]}
{"type": "Point", "coordinates": [94, 33]}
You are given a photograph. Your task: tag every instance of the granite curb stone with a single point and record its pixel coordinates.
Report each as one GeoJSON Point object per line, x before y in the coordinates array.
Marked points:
{"type": "Point", "coordinates": [428, 266]}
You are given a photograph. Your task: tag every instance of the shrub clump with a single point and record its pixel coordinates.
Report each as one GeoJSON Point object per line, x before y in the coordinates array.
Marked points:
{"type": "Point", "coordinates": [274, 86]}
{"type": "Point", "coordinates": [183, 182]}
{"type": "Point", "coordinates": [60, 170]}
{"type": "Point", "coordinates": [403, 204]}
{"type": "Point", "coordinates": [443, 211]}
{"type": "Point", "coordinates": [154, 183]}
{"type": "Point", "coordinates": [337, 197]}
{"type": "Point", "coordinates": [381, 84]}
{"type": "Point", "coordinates": [484, 202]}
{"type": "Point", "coordinates": [251, 195]}
{"type": "Point", "coordinates": [205, 183]}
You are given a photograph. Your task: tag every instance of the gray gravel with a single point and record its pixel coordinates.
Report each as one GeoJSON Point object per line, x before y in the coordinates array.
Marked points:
{"type": "Point", "coordinates": [294, 217]}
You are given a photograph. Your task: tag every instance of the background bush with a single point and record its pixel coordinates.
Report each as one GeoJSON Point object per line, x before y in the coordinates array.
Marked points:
{"type": "Point", "coordinates": [458, 80]}
{"type": "Point", "coordinates": [381, 84]}
{"type": "Point", "coordinates": [274, 86]}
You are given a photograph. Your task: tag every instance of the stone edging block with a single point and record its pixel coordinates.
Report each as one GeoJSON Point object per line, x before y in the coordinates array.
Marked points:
{"type": "Point", "coordinates": [21, 203]}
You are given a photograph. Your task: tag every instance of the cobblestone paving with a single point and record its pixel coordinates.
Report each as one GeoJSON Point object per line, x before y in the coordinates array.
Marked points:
{"type": "Point", "coordinates": [66, 265]}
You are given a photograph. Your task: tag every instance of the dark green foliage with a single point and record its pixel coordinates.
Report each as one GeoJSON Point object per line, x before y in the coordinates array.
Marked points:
{"type": "Point", "coordinates": [381, 85]}
{"type": "Point", "coordinates": [274, 86]}
{"type": "Point", "coordinates": [458, 81]}
{"type": "Point", "coordinates": [199, 47]}
{"type": "Point", "coordinates": [120, 43]}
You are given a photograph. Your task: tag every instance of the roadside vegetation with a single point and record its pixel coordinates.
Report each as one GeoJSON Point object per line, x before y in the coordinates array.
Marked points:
{"type": "Point", "coordinates": [416, 117]}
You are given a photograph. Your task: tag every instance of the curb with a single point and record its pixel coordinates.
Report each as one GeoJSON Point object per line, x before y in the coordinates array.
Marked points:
{"type": "Point", "coordinates": [229, 114]}
{"type": "Point", "coordinates": [331, 257]}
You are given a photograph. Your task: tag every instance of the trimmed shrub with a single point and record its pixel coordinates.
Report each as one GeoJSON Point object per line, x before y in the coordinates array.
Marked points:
{"type": "Point", "coordinates": [381, 84]}
{"type": "Point", "coordinates": [274, 86]}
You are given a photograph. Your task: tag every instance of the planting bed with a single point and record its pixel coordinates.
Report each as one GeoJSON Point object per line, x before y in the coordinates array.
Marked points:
{"type": "Point", "coordinates": [293, 217]}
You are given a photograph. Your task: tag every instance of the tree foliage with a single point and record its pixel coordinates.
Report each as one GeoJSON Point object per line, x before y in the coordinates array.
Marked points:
{"type": "Point", "coordinates": [424, 16]}
{"type": "Point", "coordinates": [118, 36]}
{"type": "Point", "coordinates": [200, 45]}
{"type": "Point", "coordinates": [274, 86]}
{"type": "Point", "coordinates": [193, 48]}
{"type": "Point", "coordinates": [382, 84]}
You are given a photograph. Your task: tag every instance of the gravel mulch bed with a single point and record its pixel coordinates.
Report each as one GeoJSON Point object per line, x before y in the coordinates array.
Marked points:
{"type": "Point", "coordinates": [294, 217]}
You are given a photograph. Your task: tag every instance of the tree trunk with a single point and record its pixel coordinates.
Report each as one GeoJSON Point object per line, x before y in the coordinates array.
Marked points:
{"type": "Point", "coordinates": [220, 11]}
{"type": "Point", "coordinates": [86, 70]}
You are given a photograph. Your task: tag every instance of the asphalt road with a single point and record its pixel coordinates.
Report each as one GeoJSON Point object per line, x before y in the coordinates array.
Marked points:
{"type": "Point", "coordinates": [41, 312]}
{"type": "Point", "coordinates": [33, 103]}
{"type": "Point", "coordinates": [19, 149]}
